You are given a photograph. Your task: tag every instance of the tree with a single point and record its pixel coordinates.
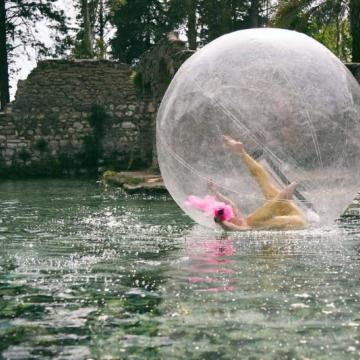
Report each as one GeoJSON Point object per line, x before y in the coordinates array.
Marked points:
{"type": "Point", "coordinates": [191, 11]}
{"type": "Point", "coordinates": [104, 13]}
{"type": "Point", "coordinates": [329, 21]}
{"type": "Point", "coordinates": [88, 24]}
{"type": "Point", "coordinates": [4, 67]}
{"type": "Point", "coordinates": [18, 20]}
{"type": "Point", "coordinates": [87, 17]}
{"type": "Point", "coordinates": [102, 20]}
{"type": "Point", "coordinates": [354, 13]}
{"type": "Point", "coordinates": [205, 20]}
{"type": "Point", "coordinates": [139, 24]}
{"type": "Point", "coordinates": [217, 18]}
{"type": "Point", "coordinates": [185, 13]}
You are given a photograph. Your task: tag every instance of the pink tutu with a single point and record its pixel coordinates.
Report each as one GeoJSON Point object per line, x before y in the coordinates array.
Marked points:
{"type": "Point", "coordinates": [210, 206]}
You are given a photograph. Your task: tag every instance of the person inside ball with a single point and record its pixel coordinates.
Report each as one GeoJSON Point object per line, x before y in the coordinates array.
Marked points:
{"type": "Point", "coordinates": [278, 212]}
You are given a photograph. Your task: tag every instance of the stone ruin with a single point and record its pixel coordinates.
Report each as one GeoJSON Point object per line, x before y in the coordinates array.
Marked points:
{"type": "Point", "coordinates": [49, 122]}
{"type": "Point", "coordinates": [51, 116]}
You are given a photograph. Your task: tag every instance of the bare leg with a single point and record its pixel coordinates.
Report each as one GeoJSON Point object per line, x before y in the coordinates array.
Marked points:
{"type": "Point", "coordinates": [288, 192]}
{"type": "Point", "coordinates": [268, 189]}
{"type": "Point", "coordinates": [278, 212]}
{"type": "Point", "coordinates": [286, 222]}
{"type": "Point", "coordinates": [279, 208]}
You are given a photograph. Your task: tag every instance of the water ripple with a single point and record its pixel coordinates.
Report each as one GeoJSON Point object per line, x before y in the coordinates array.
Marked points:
{"type": "Point", "coordinates": [87, 272]}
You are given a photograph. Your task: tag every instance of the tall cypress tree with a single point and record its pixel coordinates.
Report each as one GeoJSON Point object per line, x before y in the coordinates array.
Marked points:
{"type": "Point", "coordinates": [91, 15]}
{"type": "Point", "coordinates": [184, 14]}
{"type": "Point", "coordinates": [354, 6]}
{"type": "Point", "coordinates": [191, 29]}
{"type": "Point", "coordinates": [139, 24]}
{"type": "Point", "coordinates": [4, 66]}
{"type": "Point", "coordinates": [218, 18]}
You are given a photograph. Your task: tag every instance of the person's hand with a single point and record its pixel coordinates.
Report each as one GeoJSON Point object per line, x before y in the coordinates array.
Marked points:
{"type": "Point", "coordinates": [234, 145]}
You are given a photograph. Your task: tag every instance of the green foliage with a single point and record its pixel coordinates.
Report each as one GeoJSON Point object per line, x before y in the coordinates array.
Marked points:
{"type": "Point", "coordinates": [65, 163]}
{"type": "Point", "coordinates": [24, 155]}
{"type": "Point", "coordinates": [93, 18]}
{"type": "Point", "coordinates": [96, 120]}
{"type": "Point", "coordinates": [115, 178]}
{"type": "Point", "coordinates": [22, 15]}
{"type": "Point", "coordinates": [136, 79]}
{"type": "Point", "coordinates": [41, 145]}
{"type": "Point", "coordinates": [218, 18]}
{"type": "Point", "coordinates": [83, 48]}
{"type": "Point", "coordinates": [139, 24]}
{"type": "Point", "coordinates": [133, 180]}
{"type": "Point", "coordinates": [337, 38]}
{"type": "Point", "coordinates": [93, 149]}
{"type": "Point", "coordinates": [354, 20]}
{"type": "Point", "coordinates": [326, 21]}
{"type": "Point", "coordinates": [18, 20]}
{"type": "Point", "coordinates": [91, 154]}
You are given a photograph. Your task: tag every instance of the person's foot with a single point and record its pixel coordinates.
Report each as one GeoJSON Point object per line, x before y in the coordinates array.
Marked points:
{"type": "Point", "coordinates": [234, 145]}
{"type": "Point", "coordinates": [288, 191]}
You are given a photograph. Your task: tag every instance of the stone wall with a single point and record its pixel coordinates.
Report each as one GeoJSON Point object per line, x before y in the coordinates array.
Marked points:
{"type": "Point", "coordinates": [48, 128]}
{"type": "Point", "coordinates": [50, 119]}
{"type": "Point", "coordinates": [156, 68]}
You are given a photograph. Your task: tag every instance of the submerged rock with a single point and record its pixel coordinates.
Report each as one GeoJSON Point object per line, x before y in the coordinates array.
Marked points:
{"type": "Point", "coordinates": [353, 210]}
{"type": "Point", "coordinates": [135, 182]}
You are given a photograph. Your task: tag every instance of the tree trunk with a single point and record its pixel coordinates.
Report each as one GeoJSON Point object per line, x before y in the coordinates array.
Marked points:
{"type": "Point", "coordinates": [355, 29]}
{"type": "Point", "coordinates": [191, 26]}
{"type": "Point", "coordinates": [4, 67]}
{"type": "Point", "coordinates": [234, 15]}
{"type": "Point", "coordinates": [254, 13]}
{"type": "Point", "coordinates": [87, 40]}
{"type": "Point", "coordinates": [226, 18]}
{"type": "Point", "coordinates": [101, 30]}
{"type": "Point", "coordinates": [338, 37]}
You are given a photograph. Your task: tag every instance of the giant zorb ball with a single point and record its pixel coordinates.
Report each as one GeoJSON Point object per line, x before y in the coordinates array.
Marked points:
{"type": "Point", "coordinates": [291, 102]}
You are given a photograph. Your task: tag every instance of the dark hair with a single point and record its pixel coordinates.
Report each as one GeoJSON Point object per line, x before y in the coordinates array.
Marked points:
{"type": "Point", "coordinates": [219, 214]}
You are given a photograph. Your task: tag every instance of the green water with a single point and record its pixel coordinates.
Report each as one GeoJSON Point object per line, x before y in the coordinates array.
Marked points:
{"type": "Point", "coordinates": [87, 273]}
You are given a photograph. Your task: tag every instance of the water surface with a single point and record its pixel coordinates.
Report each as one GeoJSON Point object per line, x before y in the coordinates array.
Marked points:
{"type": "Point", "coordinates": [89, 273]}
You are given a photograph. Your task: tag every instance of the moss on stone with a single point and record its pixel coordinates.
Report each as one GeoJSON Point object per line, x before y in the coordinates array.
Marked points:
{"type": "Point", "coordinates": [115, 178]}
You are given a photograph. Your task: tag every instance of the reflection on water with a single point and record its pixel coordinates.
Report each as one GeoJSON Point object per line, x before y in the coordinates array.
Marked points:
{"type": "Point", "coordinates": [210, 263]}
{"type": "Point", "coordinates": [89, 273]}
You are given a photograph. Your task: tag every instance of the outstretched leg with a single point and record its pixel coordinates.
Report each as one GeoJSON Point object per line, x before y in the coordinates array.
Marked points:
{"type": "Point", "coordinates": [278, 213]}
{"type": "Point", "coordinates": [286, 222]}
{"type": "Point", "coordinates": [288, 192]}
{"type": "Point", "coordinates": [256, 170]}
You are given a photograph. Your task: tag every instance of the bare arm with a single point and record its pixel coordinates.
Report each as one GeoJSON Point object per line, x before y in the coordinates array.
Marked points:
{"type": "Point", "coordinates": [226, 225]}
{"type": "Point", "coordinates": [223, 198]}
